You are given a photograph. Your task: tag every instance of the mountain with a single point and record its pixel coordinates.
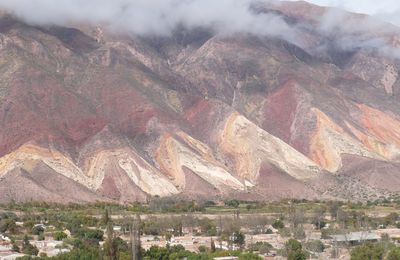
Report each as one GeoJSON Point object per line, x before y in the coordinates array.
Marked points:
{"type": "Point", "coordinates": [87, 114]}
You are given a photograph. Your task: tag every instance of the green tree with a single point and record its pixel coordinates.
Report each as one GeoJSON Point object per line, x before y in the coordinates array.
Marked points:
{"type": "Point", "coordinates": [156, 252]}
{"type": "Point", "coordinates": [105, 218]}
{"type": "Point", "coordinates": [297, 255]}
{"type": "Point", "coordinates": [212, 246]}
{"type": "Point", "coordinates": [15, 247]}
{"type": "Point", "coordinates": [232, 203]}
{"type": "Point", "coordinates": [278, 224]}
{"type": "Point", "coordinates": [37, 230]}
{"type": "Point", "coordinates": [294, 250]}
{"type": "Point", "coordinates": [202, 249]}
{"type": "Point", "coordinates": [394, 254]}
{"type": "Point", "coordinates": [59, 236]}
{"type": "Point", "coordinates": [8, 225]}
{"type": "Point", "coordinates": [315, 246]}
{"type": "Point", "coordinates": [110, 246]}
{"type": "Point", "coordinates": [239, 238]}
{"type": "Point", "coordinates": [368, 251]}
{"type": "Point", "coordinates": [41, 237]}
{"type": "Point", "coordinates": [261, 247]}
{"type": "Point", "coordinates": [28, 248]}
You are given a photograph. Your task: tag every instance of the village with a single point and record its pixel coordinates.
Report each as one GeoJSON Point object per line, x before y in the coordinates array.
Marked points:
{"type": "Point", "coordinates": [322, 233]}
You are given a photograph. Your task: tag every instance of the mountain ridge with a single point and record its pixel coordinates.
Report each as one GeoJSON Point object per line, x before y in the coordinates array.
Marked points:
{"type": "Point", "coordinates": [126, 118]}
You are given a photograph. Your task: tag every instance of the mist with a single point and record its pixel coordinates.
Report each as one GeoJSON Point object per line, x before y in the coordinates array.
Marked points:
{"type": "Point", "coordinates": [223, 17]}
{"type": "Point", "coordinates": [350, 32]}
{"type": "Point", "coordinates": [152, 17]}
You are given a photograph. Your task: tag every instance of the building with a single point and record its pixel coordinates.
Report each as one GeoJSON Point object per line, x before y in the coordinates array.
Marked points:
{"type": "Point", "coordinates": [355, 238]}
{"type": "Point", "coordinates": [50, 247]}
{"type": "Point", "coordinates": [10, 255]}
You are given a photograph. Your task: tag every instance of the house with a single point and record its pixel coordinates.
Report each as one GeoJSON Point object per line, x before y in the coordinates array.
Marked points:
{"type": "Point", "coordinates": [10, 255]}
{"type": "Point", "coordinates": [117, 228]}
{"type": "Point", "coordinates": [50, 247]}
{"type": "Point", "coordinates": [5, 247]}
{"type": "Point", "coordinates": [355, 238]}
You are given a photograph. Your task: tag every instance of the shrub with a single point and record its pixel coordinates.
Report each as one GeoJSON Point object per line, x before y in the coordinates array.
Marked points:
{"type": "Point", "coordinates": [37, 230]}
{"type": "Point", "coordinates": [294, 250]}
{"type": "Point", "coordinates": [278, 224]}
{"type": "Point", "coordinates": [368, 251]}
{"type": "Point", "coordinates": [315, 246]}
{"type": "Point", "coordinates": [59, 236]}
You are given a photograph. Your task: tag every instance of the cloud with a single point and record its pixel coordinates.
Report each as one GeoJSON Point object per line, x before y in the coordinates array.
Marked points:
{"type": "Point", "coordinates": [158, 17]}
{"type": "Point", "coordinates": [386, 10]}
{"type": "Point", "coordinates": [224, 17]}
{"type": "Point", "coordinates": [350, 32]}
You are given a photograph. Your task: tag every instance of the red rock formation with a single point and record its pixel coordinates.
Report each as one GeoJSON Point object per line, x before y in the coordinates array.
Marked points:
{"type": "Point", "coordinates": [123, 118]}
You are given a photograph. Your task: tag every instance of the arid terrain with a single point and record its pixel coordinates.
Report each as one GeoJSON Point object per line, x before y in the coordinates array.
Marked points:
{"type": "Point", "coordinates": [89, 114]}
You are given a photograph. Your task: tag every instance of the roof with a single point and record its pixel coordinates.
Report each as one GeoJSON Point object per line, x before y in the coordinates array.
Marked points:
{"type": "Point", "coordinates": [356, 236]}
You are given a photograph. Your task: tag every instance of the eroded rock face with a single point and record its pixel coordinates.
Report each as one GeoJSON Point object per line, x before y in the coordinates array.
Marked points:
{"type": "Point", "coordinates": [173, 157]}
{"type": "Point", "coordinates": [124, 118]}
{"type": "Point", "coordinates": [250, 147]}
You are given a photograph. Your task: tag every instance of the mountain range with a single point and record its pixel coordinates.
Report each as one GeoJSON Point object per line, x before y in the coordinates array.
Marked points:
{"type": "Point", "coordinates": [88, 114]}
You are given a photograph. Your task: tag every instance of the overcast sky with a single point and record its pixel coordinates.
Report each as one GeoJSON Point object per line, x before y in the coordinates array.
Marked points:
{"type": "Point", "coordinates": [388, 10]}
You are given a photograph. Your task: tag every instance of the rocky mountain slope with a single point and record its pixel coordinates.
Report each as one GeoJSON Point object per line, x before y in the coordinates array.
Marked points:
{"type": "Point", "coordinates": [90, 115]}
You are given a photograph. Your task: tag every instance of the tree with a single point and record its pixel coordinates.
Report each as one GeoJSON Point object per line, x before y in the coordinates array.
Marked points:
{"type": "Point", "coordinates": [7, 225]}
{"type": "Point", "coordinates": [110, 246]}
{"type": "Point", "coordinates": [299, 233]}
{"type": "Point", "coordinates": [315, 246]}
{"type": "Point", "coordinates": [232, 203]}
{"type": "Point", "coordinates": [333, 208]}
{"type": "Point", "coordinates": [318, 217]}
{"type": "Point", "coordinates": [135, 239]}
{"type": "Point", "coordinates": [368, 251]}
{"type": "Point", "coordinates": [296, 216]}
{"type": "Point", "coordinates": [15, 247]}
{"type": "Point", "coordinates": [394, 254]}
{"type": "Point", "coordinates": [202, 249]}
{"type": "Point", "coordinates": [59, 236]}
{"type": "Point", "coordinates": [294, 250]}
{"type": "Point", "coordinates": [28, 248]}
{"type": "Point", "coordinates": [106, 218]}
{"type": "Point", "coordinates": [41, 237]}
{"type": "Point", "coordinates": [239, 238]}
{"type": "Point", "coordinates": [293, 245]}
{"type": "Point", "coordinates": [261, 247]}
{"type": "Point", "coordinates": [278, 224]}
{"type": "Point", "coordinates": [297, 255]}
{"type": "Point", "coordinates": [391, 219]}
{"type": "Point", "coordinates": [212, 246]}
{"type": "Point", "coordinates": [37, 230]}
{"type": "Point", "coordinates": [156, 252]}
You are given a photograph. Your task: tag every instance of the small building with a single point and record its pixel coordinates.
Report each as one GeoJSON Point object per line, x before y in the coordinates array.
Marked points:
{"type": "Point", "coordinates": [355, 238]}
{"type": "Point", "coordinates": [5, 247]}
{"type": "Point", "coordinates": [10, 255]}
{"type": "Point", "coordinates": [117, 228]}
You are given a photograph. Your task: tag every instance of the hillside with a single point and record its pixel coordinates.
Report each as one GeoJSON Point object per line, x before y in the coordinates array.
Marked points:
{"type": "Point", "coordinates": [88, 114]}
